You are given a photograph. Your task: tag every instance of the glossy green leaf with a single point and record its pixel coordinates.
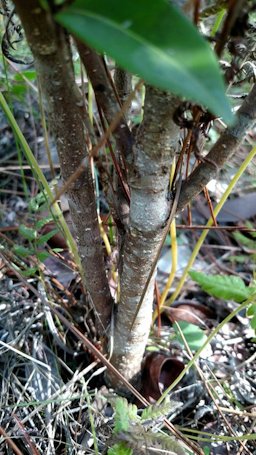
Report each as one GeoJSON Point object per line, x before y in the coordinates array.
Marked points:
{"type": "Point", "coordinates": [223, 286]}
{"type": "Point", "coordinates": [195, 337]}
{"type": "Point", "coordinates": [28, 74]}
{"type": "Point", "coordinates": [18, 90]}
{"type": "Point", "coordinates": [155, 40]}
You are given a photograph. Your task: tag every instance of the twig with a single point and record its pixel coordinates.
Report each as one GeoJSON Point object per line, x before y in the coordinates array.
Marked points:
{"type": "Point", "coordinates": [221, 151]}
{"type": "Point", "coordinates": [10, 442]}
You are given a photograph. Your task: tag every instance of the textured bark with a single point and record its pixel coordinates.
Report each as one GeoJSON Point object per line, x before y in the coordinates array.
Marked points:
{"type": "Point", "coordinates": [221, 152]}
{"type": "Point", "coordinates": [53, 61]}
{"type": "Point", "coordinates": [105, 96]}
{"type": "Point", "coordinates": [107, 100]}
{"type": "Point", "coordinates": [148, 178]}
{"type": "Point", "coordinates": [123, 83]}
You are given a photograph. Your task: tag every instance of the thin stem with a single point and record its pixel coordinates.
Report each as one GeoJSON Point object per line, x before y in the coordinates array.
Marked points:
{"type": "Point", "coordinates": [40, 177]}
{"type": "Point", "coordinates": [217, 209]}
{"type": "Point", "coordinates": [209, 339]}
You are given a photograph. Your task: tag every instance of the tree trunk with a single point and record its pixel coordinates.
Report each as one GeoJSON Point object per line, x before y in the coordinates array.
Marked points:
{"type": "Point", "coordinates": [148, 168]}
{"type": "Point", "coordinates": [50, 47]}
{"type": "Point", "coordinates": [148, 178]}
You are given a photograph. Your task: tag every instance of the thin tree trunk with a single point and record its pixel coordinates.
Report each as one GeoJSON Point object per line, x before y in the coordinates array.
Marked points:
{"type": "Point", "coordinates": [148, 178]}
{"type": "Point", "coordinates": [53, 61]}
{"type": "Point", "coordinates": [107, 100]}
{"type": "Point", "coordinates": [123, 83]}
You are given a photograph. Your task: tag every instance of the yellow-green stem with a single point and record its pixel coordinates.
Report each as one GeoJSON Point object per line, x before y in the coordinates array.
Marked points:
{"type": "Point", "coordinates": [210, 222]}
{"type": "Point", "coordinates": [174, 252]}
{"type": "Point", "coordinates": [40, 178]}
{"type": "Point", "coordinates": [209, 339]}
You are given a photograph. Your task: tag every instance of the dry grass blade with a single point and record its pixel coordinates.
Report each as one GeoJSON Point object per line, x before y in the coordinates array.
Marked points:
{"type": "Point", "coordinates": [10, 442]}
{"type": "Point", "coordinates": [191, 445]}
{"type": "Point", "coordinates": [32, 447]}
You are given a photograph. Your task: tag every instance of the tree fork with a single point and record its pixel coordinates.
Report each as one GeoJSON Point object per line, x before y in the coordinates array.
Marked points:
{"type": "Point", "coordinates": [148, 178]}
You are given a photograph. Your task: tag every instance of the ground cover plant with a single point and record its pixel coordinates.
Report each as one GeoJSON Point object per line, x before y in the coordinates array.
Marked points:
{"type": "Point", "coordinates": [115, 124]}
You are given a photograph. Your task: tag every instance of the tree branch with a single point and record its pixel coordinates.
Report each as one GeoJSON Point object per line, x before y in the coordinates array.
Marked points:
{"type": "Point", "coordinates": [105, 96]}
{"type": "Point", "coordinates": [108, 102]}
{"type": "Point", "coordinates": [123, 82]}
{"type": "Point", "coordinates": [221, 152]}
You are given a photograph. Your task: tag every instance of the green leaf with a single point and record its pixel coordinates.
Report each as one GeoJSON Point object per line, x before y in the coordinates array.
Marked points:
{"type": "Point", "coordinates": [240, 258]}
{"type": "Point", "coordinates": [42, 255]}
{"type": "Point", "coordinates": [19, 90]}
{"type": "Point", "coordinates": [244, 240]}
{"type": "Point", "coordinates": [120, 449]}
{"type": "Point", "coordinates": [27, 233]}
{"type": "Point", "coordinates": [124, 414]}
{"type": "Point", "coordinates": [164, 442]}
{"type": "Point", "coordinates": [41, 223]}
{"type": "Point", "coordinates": [155, 40]}
{"type": "Point", "coordinates": [251, 226]}
{"type": "Point", "coordinates": [22, 251]}
{"type": "Point", "coordinates": [153, 411]}
{"type": "Point", "coordinates": [122, 421]}
{"type": "Point", "coordinates": [39, 202]}
{"type": "Point", "coordinates": [253, 322]}
{"type": "Point", "coordinates": [57, 250]}
{"type": "Point", "coordinates": [251, 311]}
{"type": "Point", "coordinates": [29, 74]}
{"type": "Point", "coordinates": [194, 336]}
{"type": "Point", "coordinates": [44, 238]}
{"type": "Point", "coordinates": [223, 286]}
{"type": "Point", "coordinates": [29, 272]}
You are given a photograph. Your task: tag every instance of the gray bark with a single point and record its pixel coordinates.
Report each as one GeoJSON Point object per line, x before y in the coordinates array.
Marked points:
{"type": "Point", "coordinates": [221, 151]}
{"type": "Point", "coordinates": [107, 100]}
{"type": "Point", "coordinates": [123, 83]}
{"type": "Point", "coordinates": [53, 61]}
{"type": "Point", "coordinates": [148, 166]}
{"type": "Point", "coordinates": [148, 179]}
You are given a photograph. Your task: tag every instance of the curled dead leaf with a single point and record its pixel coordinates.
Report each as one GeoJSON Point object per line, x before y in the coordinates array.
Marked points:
{"type": "Point", "coordinates": [194, 313]}
{"type": "Point", "coordinates": [158, 372]}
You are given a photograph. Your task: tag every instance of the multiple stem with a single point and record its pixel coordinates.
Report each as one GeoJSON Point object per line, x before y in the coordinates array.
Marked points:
{"type": "Point", "coordinates": [144, 162]}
